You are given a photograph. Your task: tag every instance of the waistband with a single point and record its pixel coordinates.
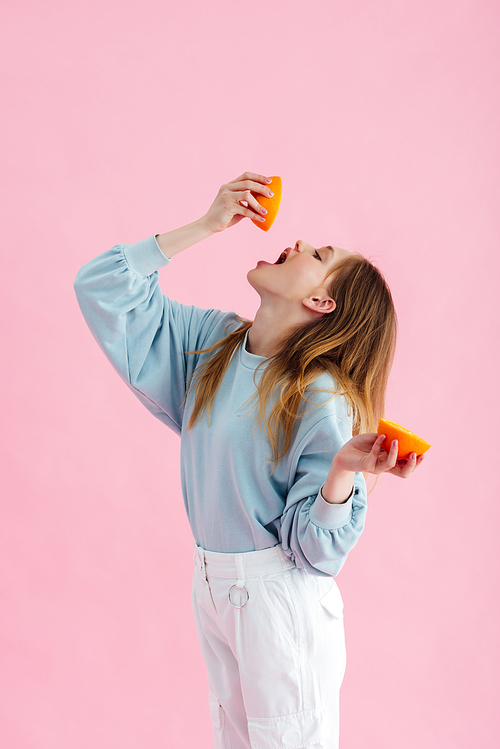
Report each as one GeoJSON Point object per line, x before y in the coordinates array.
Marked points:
{"type": "Point", "coordinates": [244, 564]}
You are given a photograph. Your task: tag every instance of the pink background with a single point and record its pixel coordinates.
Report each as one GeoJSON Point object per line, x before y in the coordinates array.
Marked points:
{"type": "Point", "coordinates": [123, 119]}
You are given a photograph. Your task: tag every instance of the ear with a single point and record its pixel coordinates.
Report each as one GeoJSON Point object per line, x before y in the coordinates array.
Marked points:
{"type": "Point", "coordinates": [319, 303]}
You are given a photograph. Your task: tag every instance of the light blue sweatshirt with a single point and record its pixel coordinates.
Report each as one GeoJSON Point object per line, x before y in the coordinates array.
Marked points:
{"type": "Point", "coordinates": [232, 502]}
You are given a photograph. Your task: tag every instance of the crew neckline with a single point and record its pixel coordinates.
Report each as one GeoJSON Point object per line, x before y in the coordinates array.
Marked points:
{"type": "Point", "coordinates": [248, 360]}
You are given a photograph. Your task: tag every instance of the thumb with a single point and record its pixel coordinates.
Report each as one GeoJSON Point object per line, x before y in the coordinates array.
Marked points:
{"type": "Point", "coordinates": [235, 220]}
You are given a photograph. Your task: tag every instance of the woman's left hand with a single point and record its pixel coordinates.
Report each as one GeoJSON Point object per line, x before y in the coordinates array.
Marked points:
{"type": "Point", "coordinates": [364, 453]}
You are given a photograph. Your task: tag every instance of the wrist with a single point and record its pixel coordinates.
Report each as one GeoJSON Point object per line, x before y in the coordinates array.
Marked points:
{"type": "Point", "coordinates": [204, 226]}
{"type": "Point", "coordinates": [173, 242]}
{"type": "Point", "coordinates": [339, 485]}
{"type": "Point", "coordinates": [340, 501]}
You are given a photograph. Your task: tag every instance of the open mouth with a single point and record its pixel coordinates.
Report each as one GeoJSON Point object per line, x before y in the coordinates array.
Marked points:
{"type": "Point", "coordinates": [283, 256]}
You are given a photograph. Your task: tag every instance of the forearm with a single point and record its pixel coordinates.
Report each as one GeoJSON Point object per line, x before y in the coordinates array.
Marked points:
{"type": "Point", "coordinates": [338, 485]}
{"type": "Point", "coordinates": [173, 242]}
{"type": "Point", "coordinates": [320, 534]}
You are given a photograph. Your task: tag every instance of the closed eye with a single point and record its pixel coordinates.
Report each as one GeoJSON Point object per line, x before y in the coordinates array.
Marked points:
{"type": "Point", "coordinates": [317, 255]}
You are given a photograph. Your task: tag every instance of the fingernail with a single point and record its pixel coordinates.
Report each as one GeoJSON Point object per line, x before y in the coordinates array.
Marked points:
{"type": "Point", "coordinates": [394, 443]}
{"type": "Point", "coordinates": [414, 456]}
{"type": "Point", "coordinates": [271, 193]}
{"type": "Point", "coordinates": [268, 179]}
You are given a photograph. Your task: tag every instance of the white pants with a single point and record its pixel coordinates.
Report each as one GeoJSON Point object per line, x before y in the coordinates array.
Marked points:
{"type": "Point", "coordinates": [272, 637]}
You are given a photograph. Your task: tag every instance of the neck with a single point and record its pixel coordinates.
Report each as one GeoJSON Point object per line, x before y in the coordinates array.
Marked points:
{"type": "Point", "coordinates": [271, 325]}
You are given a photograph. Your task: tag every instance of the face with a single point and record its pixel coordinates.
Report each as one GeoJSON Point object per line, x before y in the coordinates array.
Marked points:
{"type": "Point", "coordinates": [299, 275]}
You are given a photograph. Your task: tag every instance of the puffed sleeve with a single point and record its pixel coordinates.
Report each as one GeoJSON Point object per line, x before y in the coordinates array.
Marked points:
{"type": "Point", "coordinates": [316, 534]}
{"type": "Point", "coordinates": [143, 333]}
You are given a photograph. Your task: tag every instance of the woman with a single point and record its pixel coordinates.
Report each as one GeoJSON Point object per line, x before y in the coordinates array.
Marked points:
{"type": "Point", "coordinates": [272, 476]}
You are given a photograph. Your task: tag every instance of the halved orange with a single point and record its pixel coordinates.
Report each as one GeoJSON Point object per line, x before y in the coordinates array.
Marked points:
{"type": "Point", "coordinates": [271, 204]}
{"type": "Point", "coordinates": [408, 442]}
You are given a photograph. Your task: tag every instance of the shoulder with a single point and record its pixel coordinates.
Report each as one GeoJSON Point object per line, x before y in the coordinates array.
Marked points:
{"type": "Point", "coordinates": [325, 420]}
{"type": "Point", "coordinates": [223, 323]}
{"type": "Point", "coordinates": [207, 325]}
{"type": "Point", "coordinates": [324, 397]}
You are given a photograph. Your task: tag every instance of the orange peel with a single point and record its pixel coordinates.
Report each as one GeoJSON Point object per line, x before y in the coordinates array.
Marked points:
{"type": "Point", "coordinates": [270, 204]}
{"type": "Point", "coordinates": [408, 442]}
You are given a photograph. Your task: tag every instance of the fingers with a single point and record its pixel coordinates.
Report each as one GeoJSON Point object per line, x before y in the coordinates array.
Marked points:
{"type": "Point", "coordinates": [376, 448]}
{"type": "Point", "coordinates": [412, 463]}
{"type": "Point", "coordinates": [258, 186]}
{"type": "Point", "coordinates": [402, 468]}
{"type": "Point", "coordinates": [377, 445]}
{"type": "Point", "coordinates": [409, 467]}
{"type": "Point", "coordinates": [254, 187]}
{"type": "Point", "coordinates": [392, 455]}
{"type": "Point", "coordinates": [405, 468]}
{"type": "Point", "coordinates": [241, 190]}
{"type": "Point", "coordinates": [252, 202]}
{"type": "Point", "coordinates": [227, 209]}
{"type": "Point", "coordinates": [250, 176]}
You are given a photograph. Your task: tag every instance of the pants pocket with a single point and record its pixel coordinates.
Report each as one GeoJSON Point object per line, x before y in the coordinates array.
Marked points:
{"type": "Point", "coordinates": [332, 601]}
{"type": "Point", "coordinates": [278, 592]}
{"type": "Point", "coordinates": [217, 719]}
{"type": "Point", "coordinates": [289, 731]}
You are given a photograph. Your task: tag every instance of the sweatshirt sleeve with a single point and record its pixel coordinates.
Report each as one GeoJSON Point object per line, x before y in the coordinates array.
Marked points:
{"type": "Point", "coordinates": [143, 333]}
{"type": "Point", "coordinates": [317, 534]}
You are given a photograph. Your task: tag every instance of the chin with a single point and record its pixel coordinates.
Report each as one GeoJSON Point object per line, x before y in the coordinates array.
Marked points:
{"type": "Point", "coordinates": [252, 278]}
{"type": "Point", "coordinates": [250, 275]}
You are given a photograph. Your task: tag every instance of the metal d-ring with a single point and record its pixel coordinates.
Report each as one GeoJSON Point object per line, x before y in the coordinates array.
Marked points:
{"type": "Point", "coordinates": [246, 591]}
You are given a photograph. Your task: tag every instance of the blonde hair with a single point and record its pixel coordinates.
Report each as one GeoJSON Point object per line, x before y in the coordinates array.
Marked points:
{"type": "Point", "coordinates": [355, 344]}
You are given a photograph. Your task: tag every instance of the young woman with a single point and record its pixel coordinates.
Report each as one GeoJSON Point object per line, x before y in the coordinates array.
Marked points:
{"type": "Point", "coordinates": [272, 476]}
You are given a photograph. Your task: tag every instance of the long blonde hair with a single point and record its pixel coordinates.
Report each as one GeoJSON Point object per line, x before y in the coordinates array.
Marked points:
{"type": "Point", "coordinates": [355, 344]}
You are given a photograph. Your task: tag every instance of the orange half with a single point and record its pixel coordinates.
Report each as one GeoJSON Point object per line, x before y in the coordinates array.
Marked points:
{"type": "Point", "coordinates": [271, 204]}
{"type": "Point", "coordinates": [408, 442]}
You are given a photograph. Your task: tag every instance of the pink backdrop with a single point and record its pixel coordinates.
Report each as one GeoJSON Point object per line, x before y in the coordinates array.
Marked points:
{"type": "Point", "coordinates": [123, 119]}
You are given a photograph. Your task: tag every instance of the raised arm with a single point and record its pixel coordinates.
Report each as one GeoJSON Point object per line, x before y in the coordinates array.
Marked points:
{"type": "Point", "coordinates": [143, 333]}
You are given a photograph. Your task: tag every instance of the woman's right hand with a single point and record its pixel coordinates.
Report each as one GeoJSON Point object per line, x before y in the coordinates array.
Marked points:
{"type": "Point", "coordinates": [227, 209]}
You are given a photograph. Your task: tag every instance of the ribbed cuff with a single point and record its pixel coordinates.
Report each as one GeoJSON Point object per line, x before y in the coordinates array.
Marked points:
{"type": "Point", "coordinates": [330, 516]}
{"type": "Point", "coordinates": [145, 257]}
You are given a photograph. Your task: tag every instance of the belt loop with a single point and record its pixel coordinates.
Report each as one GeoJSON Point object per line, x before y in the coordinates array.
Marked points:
{"type": "Point", "coordinates": [286, 561]}
{"type": "Point", "coordinates": [203, 564]}
{"type": "Point", "coordinates": [201, 559]}
{"type": "Point", "coordinates": [239, 571]}
{"type": "Point", "coordinates": [238, 560]}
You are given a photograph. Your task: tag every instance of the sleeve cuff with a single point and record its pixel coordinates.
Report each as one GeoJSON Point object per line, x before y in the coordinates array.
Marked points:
{"type": "Point", "coordinates": [330, 516]}
{"type": "Point", "coordinates": [145, 257]}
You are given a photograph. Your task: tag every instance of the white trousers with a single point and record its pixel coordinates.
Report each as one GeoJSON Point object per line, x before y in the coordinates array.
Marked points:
{"type": "Point", "coordinates": [272, 636]}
